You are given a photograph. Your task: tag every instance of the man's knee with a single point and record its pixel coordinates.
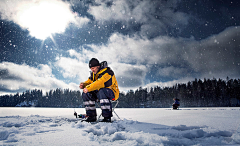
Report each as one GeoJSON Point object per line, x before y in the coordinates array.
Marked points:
{"type": "Point", "coordinates": [86, 96]}
{"type": "Point", "coordinates": [102, 94]}
{"type": "Point", "coordinates": [105, 93]}
{"type": "Point", "coordinates": [101, 91]}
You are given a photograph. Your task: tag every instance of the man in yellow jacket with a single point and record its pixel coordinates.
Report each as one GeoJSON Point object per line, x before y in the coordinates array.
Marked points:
{"type": "Point", "coordinates": [101, 85]}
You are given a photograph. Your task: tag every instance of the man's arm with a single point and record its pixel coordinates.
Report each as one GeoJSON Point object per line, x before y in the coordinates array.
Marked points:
{"type": "Point", "coordinates": [84, 84]}
{"type": "Point", "coordinates": [98, 84]}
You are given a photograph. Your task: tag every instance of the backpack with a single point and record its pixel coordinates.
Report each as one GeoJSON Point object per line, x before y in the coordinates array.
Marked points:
{"type": "Point", "coordinates": [103, 64]}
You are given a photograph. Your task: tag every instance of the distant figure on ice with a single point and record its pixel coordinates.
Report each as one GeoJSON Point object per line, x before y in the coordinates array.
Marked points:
{"type": "Point", "coordinates": [101, 85]}
{"type": "Point", "coordinates": [176, 103]}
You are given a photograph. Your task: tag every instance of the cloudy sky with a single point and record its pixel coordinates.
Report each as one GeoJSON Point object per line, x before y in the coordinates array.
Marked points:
{"type": "Point", "coordinates": [47, 44]}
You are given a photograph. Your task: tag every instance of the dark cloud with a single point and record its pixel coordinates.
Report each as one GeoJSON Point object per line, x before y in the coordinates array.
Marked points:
{"type": "Point", "coordinates": [217, 53]}
{"type": "Point", "coordinates": [5, 90]}
{"type": "Point", "coordinates": [129, 82]}
{"type": "Point", "coordinates": [209, 17]}
{"type": "Point", "coordinates": [154, 18]}
{"type": "Point", "coordinates": [132, 77]}
{"type": "Point", "coordinates": [5, 75]}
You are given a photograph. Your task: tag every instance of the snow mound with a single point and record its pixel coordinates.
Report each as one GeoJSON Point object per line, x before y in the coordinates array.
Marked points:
{"type": "Point", "coordinates": [184, 127]}
{"type": "Point", "coordinates": [120, 132]}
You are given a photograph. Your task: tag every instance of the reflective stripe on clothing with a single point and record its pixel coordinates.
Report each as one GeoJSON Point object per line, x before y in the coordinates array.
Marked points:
{"type": "Point", "coordinates": [88, 102]}
{"type": "Point", "coordinates": [106, 107]}
{"type": "Point", "coordinates": [104, 101]}
{"type": "Point", "coordinates": [90, 108]}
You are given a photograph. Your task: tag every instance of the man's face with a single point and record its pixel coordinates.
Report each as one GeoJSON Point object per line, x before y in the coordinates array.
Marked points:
{"type": "Point", "coordinates": [95, 69]}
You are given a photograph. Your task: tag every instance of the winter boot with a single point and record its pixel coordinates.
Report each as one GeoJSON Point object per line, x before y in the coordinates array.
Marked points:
{"type": "Point", "coordinates": [106, 119]}
{"type": "Point", "coordinates": [90, 119]}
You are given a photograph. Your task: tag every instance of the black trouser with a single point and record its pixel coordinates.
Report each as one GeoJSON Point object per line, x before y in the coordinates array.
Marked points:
{"type": "Point", "coordinates": [175, 106]}
{"type": "Point", "coordinates": [104, 95]}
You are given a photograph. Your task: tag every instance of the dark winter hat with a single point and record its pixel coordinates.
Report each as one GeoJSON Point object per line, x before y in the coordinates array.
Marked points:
{"type": "Point", "coordinates": [93, 62]}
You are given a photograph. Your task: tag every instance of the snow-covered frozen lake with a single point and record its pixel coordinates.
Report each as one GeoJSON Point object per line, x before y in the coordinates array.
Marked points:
{"type": "Point", "coordinates": [149, 126]}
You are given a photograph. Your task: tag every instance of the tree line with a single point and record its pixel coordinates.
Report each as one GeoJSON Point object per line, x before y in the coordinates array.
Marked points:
{"type": "Point", "coordinates": [197, 93]}
{"type": "Point", "coordinates": [53, 98]}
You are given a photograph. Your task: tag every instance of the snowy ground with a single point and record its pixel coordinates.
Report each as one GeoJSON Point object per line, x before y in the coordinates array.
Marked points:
{"type": "Point", "coordinates": [55, 126]}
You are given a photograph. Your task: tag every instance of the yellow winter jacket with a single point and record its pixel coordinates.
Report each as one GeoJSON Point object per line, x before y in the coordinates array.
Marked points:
{"type": "Point", "coordinates": [105, 78]}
